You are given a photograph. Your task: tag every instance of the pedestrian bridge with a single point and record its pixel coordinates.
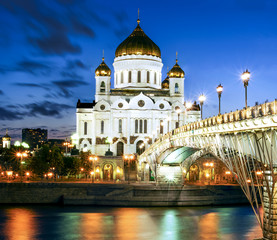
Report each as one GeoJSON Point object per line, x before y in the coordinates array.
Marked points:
{"type": "Point", "coordinates": [245, 140]}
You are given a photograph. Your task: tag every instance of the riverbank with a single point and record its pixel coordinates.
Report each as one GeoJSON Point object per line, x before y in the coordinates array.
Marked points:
{"type": "Point", "coordinates": [119, 194]}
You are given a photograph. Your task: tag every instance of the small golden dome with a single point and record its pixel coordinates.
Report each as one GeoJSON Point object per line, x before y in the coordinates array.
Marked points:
{"type": "Point", "coordinates": [165, 83]}
{"type": "Point", "coordinates": [138, 43]}
{"type": "Point", "coordinates": [176, 71]}
{"type": "Point", "coordinates": [103, 69]}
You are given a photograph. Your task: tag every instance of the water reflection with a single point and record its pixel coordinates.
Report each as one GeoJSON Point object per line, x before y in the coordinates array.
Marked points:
{"type": "Point", "coordinates": [128, 223]}
{"type": "Point", "coordinates": [20, 224]}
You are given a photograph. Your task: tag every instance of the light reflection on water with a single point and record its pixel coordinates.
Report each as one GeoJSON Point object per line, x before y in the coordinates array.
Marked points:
{"type": "Point", "coordinates": [97, 223]}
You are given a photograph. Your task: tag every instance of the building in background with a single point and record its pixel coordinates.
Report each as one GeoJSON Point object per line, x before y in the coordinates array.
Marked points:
{"type": "Point", "coordinates": [34, 137]}
{"type": "Point", "coordinates": [6, 141]}
{"type": "Point", "coordinates": [140, 108]}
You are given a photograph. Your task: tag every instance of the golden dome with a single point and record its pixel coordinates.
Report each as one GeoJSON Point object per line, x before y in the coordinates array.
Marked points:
{"type": "Point", "coordinates": [176, 71]}
{"type": "Point", "coordinates": [138, 43]}
{"type": "Point", "coordinates": [165, 83]}
{"type": "Point", "coordinates": [103, 69]}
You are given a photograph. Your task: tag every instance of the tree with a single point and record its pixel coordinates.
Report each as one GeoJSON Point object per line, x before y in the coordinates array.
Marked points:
{"type": "Point", "coordinates": [39, 164]}
{"type": "Point", "coordinates": [71, 166]}
{"type": "Point", "coordinates": [56, 159]}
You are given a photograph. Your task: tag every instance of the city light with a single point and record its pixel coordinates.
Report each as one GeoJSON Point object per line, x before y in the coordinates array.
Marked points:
{"type": "Point", "coordinates": [259, 172]}
{"type": "Point", "coordinates": [188, 105]}
{"type": "Point", "coordinates": [227, 172]}
{"type": "Point", "coordinates": [245, 76]}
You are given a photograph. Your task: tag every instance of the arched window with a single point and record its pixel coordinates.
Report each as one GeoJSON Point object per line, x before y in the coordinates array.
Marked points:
{"type": "Point", "coordinates": [85, 128]}
{"type": "Point", "coordinates": [176, 124]}
{"type": "Point", "coordinates": [102, 127]}
{"type": "Point", "coordinates": [148, 77]}
{"type": "Point", "coordinates": [155, 78]}
{"type": "Point", "coordinates": [176, 88]}
{"type": "Point", "coordinates": [130, 77]}
{"type": "Point", "coordinates": [140, 147]}
{"type": "Point", "coordinates": [145, 126]}
{"type": "Point", "coordinates": [140, 126]}
{"type": "Point", "coordinates": [161, 127]}
{"type": "Point", "coordinates": [136, 126]}
{"type": "Point", "coordinates": [102, 87]}
{"type": "Point", "coordinates": [122, 77]}
{"type": "Point", "coordinates": [119, 148]}
{"type": "Point", "coordinates": [120, 125]}
{"type": "Point", "coordinates": [139, 76]}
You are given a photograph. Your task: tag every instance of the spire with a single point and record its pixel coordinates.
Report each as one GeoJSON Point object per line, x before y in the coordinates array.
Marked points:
{"type": "Point", "coordinates": [167, 71]}
{"type": "Point", "coordinates": [103, 58]}
{"type": "Point", "coordinates": [176, 56]}
{"type": "Point", "coordinates": [6, 131]}
{"type": "Point", "coordinates": [138, 21]}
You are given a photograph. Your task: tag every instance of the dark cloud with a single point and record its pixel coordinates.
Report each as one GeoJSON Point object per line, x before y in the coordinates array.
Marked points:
{"type": "Point", "coordinates": [6, 114]}
{"type": "Point", "coordinates": [72, 75]}
{"type": "Point", "coordinates": [73, 64]}
{"type": "Point", "coordinates": [82, 28]}
{"type": "Point", "coordinates": [33, 67]}
{"type": "Point", "coordinates": [49, 26]}
{"type": "Point", "coordinates": [1, 92]}
{"type": "Point", "coordinates": [32, 85]}
{"type": "Point", "coordinates": [46, 108]}
{"type": "Point", "coordinates": [28, 66]}
{"type": "Point", "coordinates": [69, 83]}
{"type": "Point", "coordinates": [56, 43]}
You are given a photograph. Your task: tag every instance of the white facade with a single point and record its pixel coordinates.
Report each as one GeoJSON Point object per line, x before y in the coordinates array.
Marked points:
{"type": "Point", "coordinates": [135, 112]}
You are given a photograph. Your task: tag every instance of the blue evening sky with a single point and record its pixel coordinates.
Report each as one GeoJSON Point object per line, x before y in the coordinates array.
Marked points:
{"type": "Point", "coordinates": [50, 49]}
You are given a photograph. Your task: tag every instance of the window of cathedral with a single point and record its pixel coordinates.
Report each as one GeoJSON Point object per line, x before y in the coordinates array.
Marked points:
{"type": "Point", "coordinates": [140, 126]}
{"type": "Point", "coordinates": [120, 125]}
{"type": "Point", "coordinates": [102, 127]}
{"type": "Point", "coordinates": [120, 105]}
{"type": "Point", "coordinates": [177, 108]}
{"type": "Point", "coordinates": [102, 87]}
{"type": "Point", "coordinates": [155, 78]}
{"type": "Point", "coordinates": [148, 77]}
{"type": "Point", "coordinates": [161, 106]}
{"type": "Point", "coordinates": [129, 77]}
{"type": "Point", "coordinates": [176, 88]}
{"type": "Point", "coordinates": [85, 128]}
{"type": "Point", "coordinates": [141, 103]}
{"type": "Point", "coordinates": [122, 77]}
{"type": "Point", "coordinates": [139, 76]}
{"type": "Point", "coordinates": [145, 126]}
{"type": "Point", "coordinates": [136, 126]}
{"type": "Point", "coordinates": [102, 107]}
{"type": "Point", "coordinates": [161, 127]}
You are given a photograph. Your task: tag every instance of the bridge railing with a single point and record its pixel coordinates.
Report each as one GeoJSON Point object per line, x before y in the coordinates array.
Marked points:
{"type": "Point", "coordinates": [266, 109]}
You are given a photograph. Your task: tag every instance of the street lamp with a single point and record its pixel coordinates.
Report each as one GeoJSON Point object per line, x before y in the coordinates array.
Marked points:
{"type": "Point", "coordinates": [202, 99]}
{"type": "Point", "coordinates": [128, 158]}
{"type": "Point", "coordinates": [245, 77]}
{"type": "Point", "coordinates": [21, 155]}
{"type": "Point", "coordinates": [219, 90]}
{"type": "Point", "coordinates": [93, 159]}
{"type": "Point", "coordinates": [66, 144]}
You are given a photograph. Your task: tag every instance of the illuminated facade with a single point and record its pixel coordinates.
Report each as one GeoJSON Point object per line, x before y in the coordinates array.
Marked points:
{"type": "Point", "coordinates": [140, 108]}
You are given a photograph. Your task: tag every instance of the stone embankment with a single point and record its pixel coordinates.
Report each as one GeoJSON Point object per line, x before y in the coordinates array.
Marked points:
{"type": "Point", "coordinates": [119, 194]}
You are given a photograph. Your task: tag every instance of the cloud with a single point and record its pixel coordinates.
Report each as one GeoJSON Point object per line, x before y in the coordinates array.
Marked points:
{"type": "Point", "coordinates": [28, 66]}
{"type": "Point", "coordinates": [33, 85]}
{"type": "Point", "coordinates": [71, 75]}
{"type": "Point", "coordinates": [69, 83]}
{"type": "Point", "coordinates": [1, 92]}
{"type": "Point", "coordinates": [56, 43]}
{"type": "Point", "coordinates": [46, 108]}
{"type": "Point", "coordinates": [72, 64]}
{"type": "Point", "coordinates": [6, 114]}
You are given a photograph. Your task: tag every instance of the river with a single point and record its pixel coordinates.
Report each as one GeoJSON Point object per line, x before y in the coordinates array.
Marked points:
{"type": "Point", "coordinates": [102, 223]}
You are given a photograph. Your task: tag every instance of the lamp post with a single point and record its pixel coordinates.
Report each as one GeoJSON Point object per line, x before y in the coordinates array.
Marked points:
{"type": "Point", "coordinates": [21, 155]}
{"type": "Point", "coordinates": [128, 158]}
{"type": "Point", "coordinates": [202, 99]}
{"type": "Point", "coordinates": [93, 159]}
{"type": "Point", "coordinates": [219, 90]}
{"type": "Point", "coordinates": [66, 144]}
{"type": "Point", "coordinates": [245, 76]}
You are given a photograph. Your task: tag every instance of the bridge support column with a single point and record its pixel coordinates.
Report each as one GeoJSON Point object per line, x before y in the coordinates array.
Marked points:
{"type": "Point", "coordinates": [270, 207]}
